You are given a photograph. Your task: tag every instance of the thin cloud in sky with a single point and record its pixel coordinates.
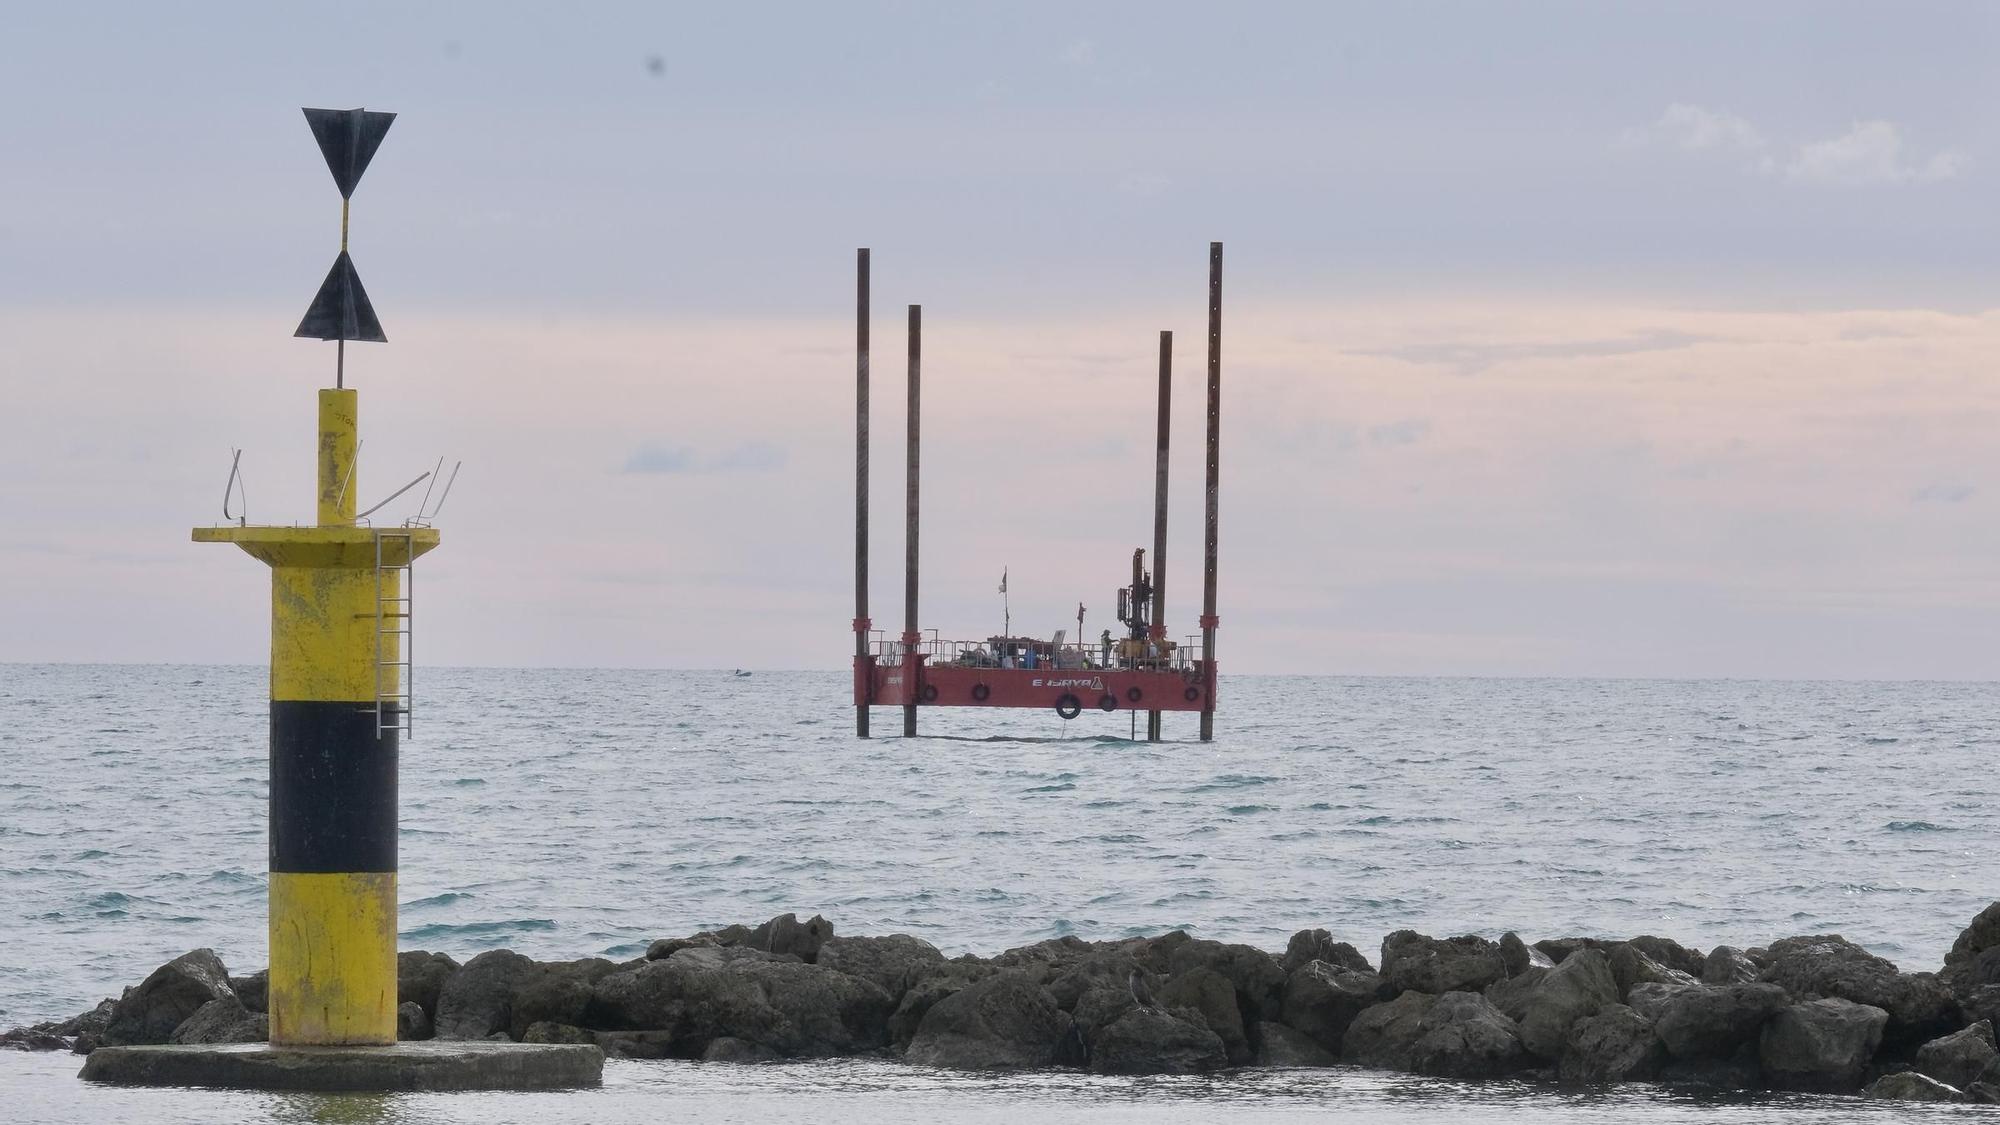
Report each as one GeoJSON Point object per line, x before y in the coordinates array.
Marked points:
{"type": "Point", "coordinates": [1870, 152]}
{"type": "Point", "coordinates": [1697, 129]}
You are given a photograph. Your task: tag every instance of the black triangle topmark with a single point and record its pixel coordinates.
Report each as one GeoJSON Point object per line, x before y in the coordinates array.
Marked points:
{"type": "Point", "coordinates": [348, 139]}
{"type": "Point", "coordinates": [341, 310]}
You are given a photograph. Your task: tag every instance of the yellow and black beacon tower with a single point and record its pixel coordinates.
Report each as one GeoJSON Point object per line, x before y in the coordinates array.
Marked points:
{"type": "Point", "coordinates": [340, 684]}
{"type": "Point", "coordinates": [340, 708]}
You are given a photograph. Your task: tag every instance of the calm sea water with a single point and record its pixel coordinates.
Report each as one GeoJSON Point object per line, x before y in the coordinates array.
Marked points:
{"type": "Point", "coordinates": [566, 812]}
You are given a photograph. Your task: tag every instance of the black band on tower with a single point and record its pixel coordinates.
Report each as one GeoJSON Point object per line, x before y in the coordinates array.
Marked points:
{"type": "Point", "coordinates": [333, 788]}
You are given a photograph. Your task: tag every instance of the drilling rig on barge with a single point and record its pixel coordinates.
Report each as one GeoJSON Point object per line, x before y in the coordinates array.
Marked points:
{"type": "Point", "coordinates": [1142, 670]}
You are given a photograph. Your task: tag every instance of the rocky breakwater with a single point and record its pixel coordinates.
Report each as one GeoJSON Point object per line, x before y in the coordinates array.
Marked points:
{"type": "Point", "coordinates": [1813, 1013]}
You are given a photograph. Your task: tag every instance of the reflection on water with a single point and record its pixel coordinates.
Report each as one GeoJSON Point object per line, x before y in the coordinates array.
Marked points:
{"type": "Point", "coordinates": [336, 1109]}
{"type": "Point", "coordinates": [44, 1088]}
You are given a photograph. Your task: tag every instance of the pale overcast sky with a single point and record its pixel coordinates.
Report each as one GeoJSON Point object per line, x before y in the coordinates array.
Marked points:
{"type": "Point", "coordinates": [1561, 338]}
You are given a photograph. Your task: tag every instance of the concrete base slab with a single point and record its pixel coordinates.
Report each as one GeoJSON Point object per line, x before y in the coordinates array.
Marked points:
{"type": "Point", "coordinates": [431, 1065]}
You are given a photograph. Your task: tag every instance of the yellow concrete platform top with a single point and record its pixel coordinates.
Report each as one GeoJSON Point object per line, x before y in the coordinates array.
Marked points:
{"type": "Point", "coordinates": [324, 546]}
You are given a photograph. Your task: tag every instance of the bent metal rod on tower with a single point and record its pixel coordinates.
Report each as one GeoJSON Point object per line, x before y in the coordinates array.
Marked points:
{"type": "Point", "coordinates": [1139, 670]}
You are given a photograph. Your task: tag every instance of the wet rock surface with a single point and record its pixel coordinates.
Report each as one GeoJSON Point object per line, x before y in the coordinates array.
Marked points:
{"type": "Point", "coordinates": [1811, 1013]}
{"type": "Point", "coordinates": [1961, 1058]}
{"type": "Point", "coordinates": [171, 994]}
{"type": "Point", "coordinates": [1005, 1022]}
{"type": "Point", "coordinates": [1821, 1045]}
{"type": "Point", "coordinates": [1616, 1044]}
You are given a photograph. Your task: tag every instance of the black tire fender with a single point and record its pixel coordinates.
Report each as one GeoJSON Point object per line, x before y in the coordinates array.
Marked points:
{"type": "Point", "coordinates": [1069, 706]}
{"type": "Point", "coordinates": [1107, 702]}
{"type": "Point", "coordinates": [980, 692]}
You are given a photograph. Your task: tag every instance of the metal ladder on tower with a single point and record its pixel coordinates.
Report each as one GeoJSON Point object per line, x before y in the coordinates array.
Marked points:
{"type": "Point", "coordinates": [395, 599]}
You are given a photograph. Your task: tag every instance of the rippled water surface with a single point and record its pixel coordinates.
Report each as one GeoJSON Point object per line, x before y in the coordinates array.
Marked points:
{"type": "Point", "coordinates": [565, 813]}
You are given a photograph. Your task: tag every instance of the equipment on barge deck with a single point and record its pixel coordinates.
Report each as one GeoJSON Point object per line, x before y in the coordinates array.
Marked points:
{"type": "Point", "coordinates": [1142, 670]}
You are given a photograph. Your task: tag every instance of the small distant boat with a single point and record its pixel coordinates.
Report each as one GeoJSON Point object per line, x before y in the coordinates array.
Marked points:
{"type": "Point", "coordinates": [740, 673]}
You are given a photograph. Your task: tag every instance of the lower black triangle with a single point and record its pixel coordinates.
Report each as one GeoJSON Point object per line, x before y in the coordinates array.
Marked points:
{"type": "Point", "coordinates": [340, 310]}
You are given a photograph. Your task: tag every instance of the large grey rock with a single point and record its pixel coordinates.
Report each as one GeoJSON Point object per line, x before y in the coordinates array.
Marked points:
{"type": "Point", "coordinates": [1100, 1008]}
{"type": "Point", "coordinates": [1669, 954]}
{"type": "Point", "coordinates": [1974, 960]}
{"type": "Point", "coordinates": [166, 998]}
{"type": "Point", "coordinates": [420, 977]}
{"type": "Point", "coordinates": [786, 934]}
{"type": "Point", "coordinates": [254, 990]}
{"type": "Point", "coordinates": [930, 987]}
{"type": "Point", "coordinates": [31, 1039]}
{"type": "Point", "coordinates": [91, 1023]}
{"type": "Point", "coordinates": [1156, 954]}
{"type": "Point", "coordinates": [1959, 1059]}
{"type": "Point", "coordinates": [1555, 949]}
{"type": "Point", "coordinates": [1728, 965]}
{"type": "Point", "coordinates": [1321, 1000]}
{"type": "Point", "coordinates": [224, 1020]}
{"type": "Point", "coordinates": [1214, 996]}
{"type": "Point", "coordinates": [1581, 986]}
{"type": "Point", "coordinates": [1385, 1035]}
{"type": "Point", "coordinates": [1464, 1036]}
{"type": "Point", "coordinates": [548, 1031]}
{"type": "Point", "coordinates": [1511, 995]}
{"type": "Point", "coordinates": [1650, 1000]}
{"type": "Point", "coordinates": [414, 1024]}
{"type": "Point", "coordinates": [1278, 1045]}
{"type": "Point", "coordinates": [795, 1009]}
{"type": "Point", "coordinates": [57, 1035]}
{"type": "Point", "coordinates": [1256, 975]}
{"type": "Point", "coordinates": [1739, 1071]}
{"type": "Point", "coordinates": [717, 956]}
{"type": "Point", "coordinates": [478, 1000]}
{"type": "Point", "coordinates": [1109, 969]}
{"type": "Point", "coordinates": [1919, 1005]}
{"type": "Point", "coordinates": [1518, 956]}
{"type": "Point", "coordinates": [1821, 1045]}
{"type": "Point", "coordinates": [1308, 946]}
{"type": "Point", "coordinates": [1047, 953]}
{"type": "Point", "coordinates": [1615, 1045]}
{"type": "Point", "coordinates": [666, 947]}
{"type": "Point", "coordinates": [1909, 1086]}
{"type": "Point", "coordinates": [1983, 1003]}
{"type": "Point", "coordinates": [1630, 966]}
{"type": "Point", "coordinates": [891, 962]}
{"type": "Point", "coordinates": [1005, 1022]}
{"type": "Point", "coordinates": [559, 992]}
{"type": "Point", "coordinates": [1414, 962]}
{"type": "Point", "coordinates": [1156, 1041]}
{"type": "Point", "coordinates": [1708, 1022]}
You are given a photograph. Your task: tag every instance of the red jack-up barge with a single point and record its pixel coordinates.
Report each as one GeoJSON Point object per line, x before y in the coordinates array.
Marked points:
{"type": "Point", "coordinates": [1140, 671]}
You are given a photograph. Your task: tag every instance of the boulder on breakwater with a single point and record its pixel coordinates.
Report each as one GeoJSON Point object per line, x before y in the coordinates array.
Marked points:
{"type": "Point", "coordinates": [1813, 1012]}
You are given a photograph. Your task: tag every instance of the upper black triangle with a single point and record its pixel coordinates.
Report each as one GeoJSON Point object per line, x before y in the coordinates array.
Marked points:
{"type": "Point", "coordinates": [340, 310]}
{"type": "Point", "coordinates": [348, 139]}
